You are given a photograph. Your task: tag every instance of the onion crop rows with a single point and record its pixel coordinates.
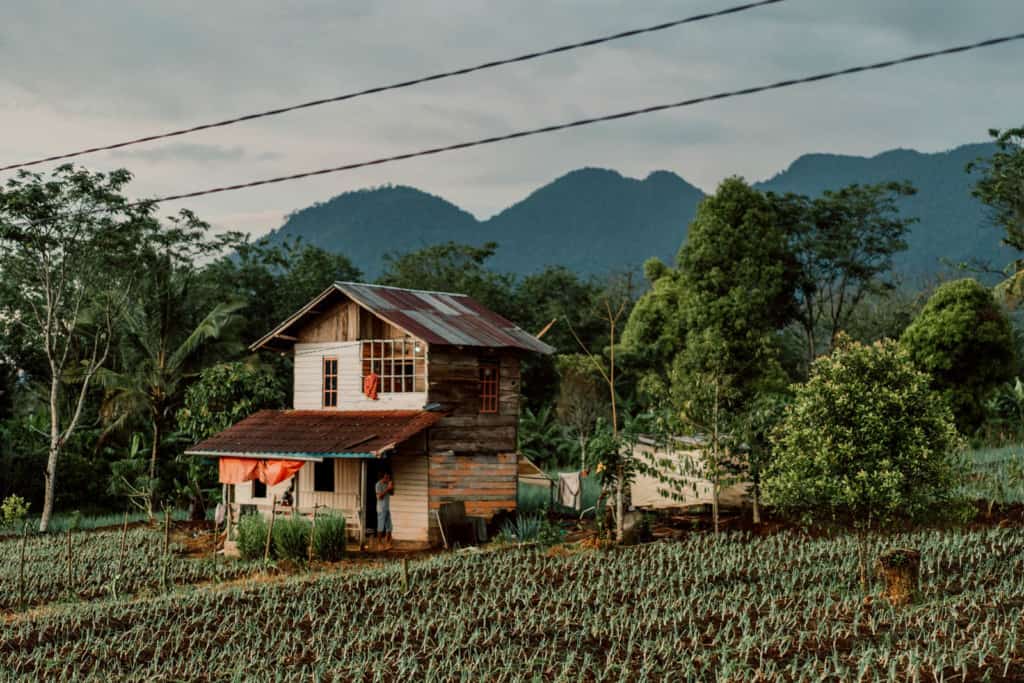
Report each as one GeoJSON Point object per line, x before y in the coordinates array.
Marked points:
{"type": "Point", "coordinates": [784, 608]}
{"type": "Point", "coordinates": [95, 559]}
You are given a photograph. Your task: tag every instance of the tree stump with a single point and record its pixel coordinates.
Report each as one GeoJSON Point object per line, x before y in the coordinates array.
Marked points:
{"type": "Point", "coordinates": [901, 570]}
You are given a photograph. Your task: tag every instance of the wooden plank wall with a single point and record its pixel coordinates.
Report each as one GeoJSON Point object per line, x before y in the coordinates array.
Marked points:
{"type": "Point", "coordinates": [454, 382]}
{"type": "Point", "coordinates": [339, 321]}
{"type": "Point", "coordinates": [409, 504]}
{"type": "Point", "coordinates": [486, 483]}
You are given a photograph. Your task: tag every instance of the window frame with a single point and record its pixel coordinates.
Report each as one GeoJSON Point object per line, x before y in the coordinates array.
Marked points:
{"type": "Point", "coordinates": [490, 389]}
{"type": "Point", "coordinates": [401, 369]}
{"type": "Point", "coordinates": [254, 495]}
{"type": "Point", "coordinates": [329, 393]}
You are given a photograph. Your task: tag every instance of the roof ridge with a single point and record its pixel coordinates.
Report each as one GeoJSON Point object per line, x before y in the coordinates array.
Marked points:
{"type": "Point", "coordinates": [400, 289]}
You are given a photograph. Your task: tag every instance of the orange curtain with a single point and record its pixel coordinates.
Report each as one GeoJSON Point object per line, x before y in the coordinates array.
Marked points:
{"type": "Point", "coordinates": [237, 470]}
{"type": "Point", "coordinates": [275, 471]}
{"type": "Point", "coordinates": [270, 472]}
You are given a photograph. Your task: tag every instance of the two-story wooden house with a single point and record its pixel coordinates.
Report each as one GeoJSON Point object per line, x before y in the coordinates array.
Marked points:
{"type": "Point", "coordinates": [424, 384]}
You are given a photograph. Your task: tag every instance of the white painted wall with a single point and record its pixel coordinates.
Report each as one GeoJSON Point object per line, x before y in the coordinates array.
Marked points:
{"type": "Point", "coordinates": [308, 384]}
{"type": "Point", "coordinates": [410, 502]}
{"type": "Point", "coordinates": [646, 490]}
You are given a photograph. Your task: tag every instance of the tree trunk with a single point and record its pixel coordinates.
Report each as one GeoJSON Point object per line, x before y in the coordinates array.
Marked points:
{"type": "Point", "coordinates": [714, 503]}
{"type": "Point", "coordinates": [50, 475]}
{"type": "Point", "coordinates": [901, 568]}
{"type": "Point", "coordinates": [583, 453]}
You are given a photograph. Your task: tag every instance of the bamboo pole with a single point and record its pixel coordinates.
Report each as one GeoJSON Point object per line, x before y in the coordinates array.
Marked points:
{"type": "Point", "coordinates": [405, 573]}
{"type": "Point", "coordinates": [124, 538]}
{"type": "Point", "coordinates": [270, 528]}
{"type": "Point", "coordinates": [312, 533]}
{"type": "Point", "coordinates": [167, 546]}
{"type": "Point", "coordinates": [70, 572]}
{"type": "Point", "coordinates": [21, 568]}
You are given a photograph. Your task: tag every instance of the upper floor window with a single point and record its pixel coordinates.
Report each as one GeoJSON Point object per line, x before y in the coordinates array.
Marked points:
{"type": "Point", "coordinates": [490, 372]}
{"type": "Point", "coordinates": [330, 383]}
{"type": "Point", "coordinates": [400, 364]}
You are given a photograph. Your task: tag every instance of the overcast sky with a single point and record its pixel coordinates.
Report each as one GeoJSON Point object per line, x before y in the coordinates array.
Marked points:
{"type": "Point", "coordinates": [91, 72]}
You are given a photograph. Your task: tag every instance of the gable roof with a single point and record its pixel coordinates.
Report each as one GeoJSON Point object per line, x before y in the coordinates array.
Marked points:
{"type": "Point", "coordinates": [316, 434]}
{"type": "Point", "coordinates": [441, 318]}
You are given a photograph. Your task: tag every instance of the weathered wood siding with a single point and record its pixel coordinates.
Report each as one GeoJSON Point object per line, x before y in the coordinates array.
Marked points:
{"type": "Point", "coordinates": [243, 494]}
{"type": "Point", "coordinates": [339, 321]}
{"type": "Point", "coordinates": [345, 496]}
{"type": "Point", "coordinates": [453, 380]}
{"type": "Point", "coordinates": [308, 388]}
{"type": "Point", "coordinates": [485, 483]}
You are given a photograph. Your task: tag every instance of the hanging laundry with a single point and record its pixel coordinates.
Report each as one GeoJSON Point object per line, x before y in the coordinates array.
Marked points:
{"type": "Point", "coordinates": [371, 384]}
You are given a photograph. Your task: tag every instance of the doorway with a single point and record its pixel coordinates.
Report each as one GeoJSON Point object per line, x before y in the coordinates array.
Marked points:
{"type": "Point", "coordinates": [373, 470]}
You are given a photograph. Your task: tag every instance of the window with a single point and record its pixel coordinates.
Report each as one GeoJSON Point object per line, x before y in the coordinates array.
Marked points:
{"type": "Point", "coordinates": [489, 373]}
{"type": "Point", "coordinates": [259, 489]}
{"type": "Point", "coordinates": [401, 364]}
{"type": "Point", "coordinates": [323, 476]}
{"type": "Point", "coordinates": [330, 382]}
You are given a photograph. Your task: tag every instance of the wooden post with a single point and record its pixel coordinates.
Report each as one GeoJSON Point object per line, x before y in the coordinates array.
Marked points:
{"type": "Point", "coordinates": [124, 538]}
{"type": "Point", "coordinates": [312, 533]}
{"type": "Point", "coordinates": [270, 527]}
{"type": "Point", "coordinates": [362, 505]}
{"type": "Point", "coordinates": [21, 568]}
{"type": "Point", "coordinates": [405, 573]}
{"type": "Point", "coordinates": [70, 573]}
{"type": "Point", "coordinates": [167, 547]}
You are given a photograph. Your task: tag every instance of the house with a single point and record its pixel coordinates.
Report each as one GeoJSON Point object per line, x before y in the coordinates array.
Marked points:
{"type": "Point", "coordinates": [672, 476]}
{"type": "Point", "coordinates": [422, 384]}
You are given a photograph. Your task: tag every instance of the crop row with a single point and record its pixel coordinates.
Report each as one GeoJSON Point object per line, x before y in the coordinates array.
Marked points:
{"type": "Point", "coordinates": [98, 567]}
{"type": "Point", "coordinates": [730, 608]}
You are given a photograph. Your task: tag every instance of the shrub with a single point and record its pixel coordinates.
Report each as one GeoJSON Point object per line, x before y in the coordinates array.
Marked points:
{"type": "Point", "coordinates": [291, 539]}
{"type": "Point", "coordinates": [13, 510]}
{"type": "Point", "coordinates": [866, 441]}
{"type": "Point", "coordinates": [329, 537]}
{"type": "Point", "coordinates": [531, 529]}
{"type": "Point", "coordinates": [252, 536]}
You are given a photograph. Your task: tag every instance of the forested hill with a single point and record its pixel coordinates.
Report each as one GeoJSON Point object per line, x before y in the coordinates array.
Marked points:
{"type": "Point", "coordinates": [593, 220]}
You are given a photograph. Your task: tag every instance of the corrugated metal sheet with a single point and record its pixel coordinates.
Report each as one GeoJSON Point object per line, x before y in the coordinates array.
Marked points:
{"type": "Point", "coordinates": [442, 318]}
{"type": "Point", "coordinates": [319, 433]}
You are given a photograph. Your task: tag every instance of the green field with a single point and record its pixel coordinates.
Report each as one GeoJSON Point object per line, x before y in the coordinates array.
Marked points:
{"type": "Point", "coordinates": [729, 608]}
{"type": "Point", "coordinates": [96, 567]}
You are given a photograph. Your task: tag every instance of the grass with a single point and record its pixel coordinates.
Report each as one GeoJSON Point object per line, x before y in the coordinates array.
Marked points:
{"type": "Point", "coordinates": [62, 521]}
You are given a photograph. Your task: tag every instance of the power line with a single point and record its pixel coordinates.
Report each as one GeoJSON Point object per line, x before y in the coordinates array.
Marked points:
{"type": "Point", "coordinates": [598, 119]}
{"type": "Point", "coordinates": [403, 84]}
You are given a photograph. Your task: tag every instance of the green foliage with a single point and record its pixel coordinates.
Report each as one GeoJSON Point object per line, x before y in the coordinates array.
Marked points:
{"type": "Point", "coordinates": [535, 528]}
{"type": "Point", "coordinates": [13, 510]}
{"type": "Point", "coordinates": [845, 241]}
{"type": "Point", "coordinates": [964, 341]}
{"type": "Point", "coordinates": [252, 536]}
{"type": "Point", "coordinates": [655, 332]}
{"type": "Point", "coordinates": [542, 439]}
{"type": "Point", "coordinates": [227, 393]}
{"type": "Point", "coordinates": [1001, 185]}
{"type": "Point", "coordinates": [866, 441]}
{"type": "Point", "coordinates": [329, 537]}
{"type": "Point", "coordinates": [291, 538]}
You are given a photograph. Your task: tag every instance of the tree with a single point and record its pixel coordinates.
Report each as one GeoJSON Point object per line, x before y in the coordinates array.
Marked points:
{"type": "Point", "coordinates": [964, 341]}
{"type": "Point", "coordinates": [737, 276]}
{"type": "Point", "coordinates": [68, 249]}
{"type": "Point", "coordinates": [581, 399]}
{"type": "Point", "coordinates": [866, 442]}
{"type": "Point", "coordinates": [225, 394]}
{"type": "Point", "coordinates": [845, 241]}
{"type": "Point", "coordinates": [1001, 184]}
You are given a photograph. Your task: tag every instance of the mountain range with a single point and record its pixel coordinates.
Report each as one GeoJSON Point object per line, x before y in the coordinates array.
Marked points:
{"type": "Point", "coordinates": [593, 220]}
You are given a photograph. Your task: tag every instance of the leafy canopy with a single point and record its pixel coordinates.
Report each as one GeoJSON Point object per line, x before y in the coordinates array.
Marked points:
{"type": "Point", "coordinates": [964, 341]}
{"type": "Point", "coordinates": [866, 441]}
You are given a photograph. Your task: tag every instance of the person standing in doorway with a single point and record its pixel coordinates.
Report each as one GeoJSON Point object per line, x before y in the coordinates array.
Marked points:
{"type": "Point", "coordinates": [384, 489]}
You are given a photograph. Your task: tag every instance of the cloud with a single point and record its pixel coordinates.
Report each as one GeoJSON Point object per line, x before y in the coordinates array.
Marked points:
{"type": "Point", "coordinates": [191, 152]}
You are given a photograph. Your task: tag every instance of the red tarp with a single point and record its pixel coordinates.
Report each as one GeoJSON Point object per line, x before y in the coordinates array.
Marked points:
{"type": "Point", "coordinates": [270, 472]}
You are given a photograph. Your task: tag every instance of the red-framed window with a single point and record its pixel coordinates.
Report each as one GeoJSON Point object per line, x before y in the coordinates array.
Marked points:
{"type": "Point", "coordinates": [330, 383]}
{"type": "Point", "coordinates": [490, 372]}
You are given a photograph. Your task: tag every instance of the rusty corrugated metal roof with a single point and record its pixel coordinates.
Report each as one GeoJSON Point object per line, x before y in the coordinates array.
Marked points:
{"type": "Point", "coordinates": [442, 317]}
{"type": "Point", "coordinates": [317, 433]}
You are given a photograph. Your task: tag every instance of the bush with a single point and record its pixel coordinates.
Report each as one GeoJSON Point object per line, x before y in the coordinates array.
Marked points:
{"type": "Point", "coordinates": [531, 529]}
{"type": "Point", "coordinates": [291, 539]}
{"type": "Point", "coordinates": [13, 510]}
{"type": "Point", "coordinates": [329, 537]}
{"type": "Point", "coordinates": [252, 536]}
